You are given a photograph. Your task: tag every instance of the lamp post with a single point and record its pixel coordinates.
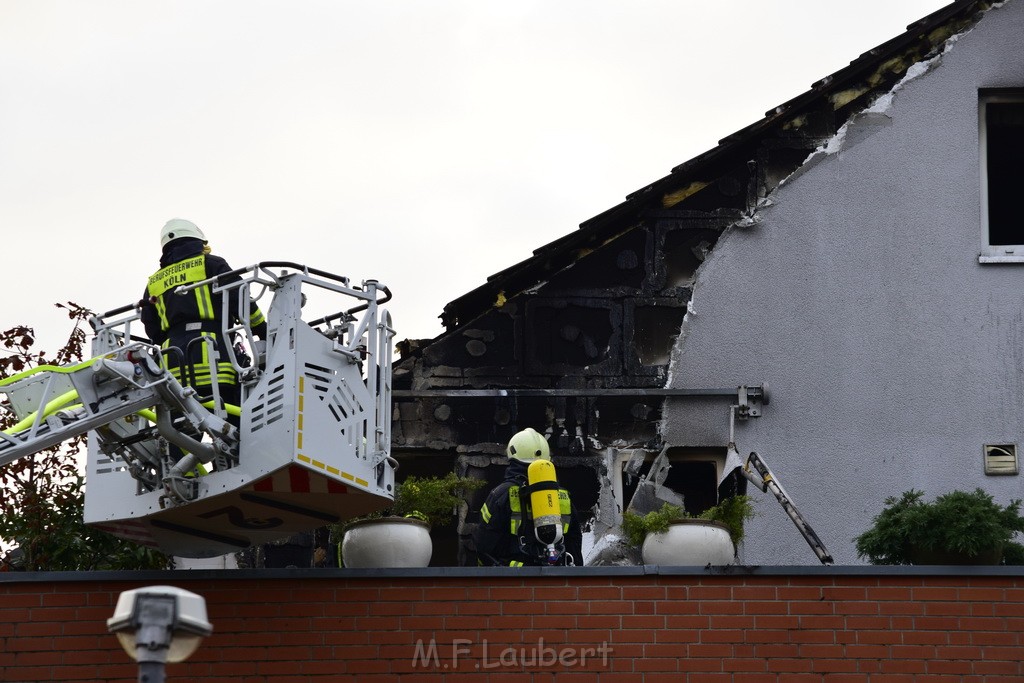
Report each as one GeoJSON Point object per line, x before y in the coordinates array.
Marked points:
{"type": "Point", "coordinates": [157, 625]}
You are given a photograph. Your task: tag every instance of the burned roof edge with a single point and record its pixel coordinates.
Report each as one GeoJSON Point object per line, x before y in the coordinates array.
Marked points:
{"type": "Point", "coordinates": [922, 39]}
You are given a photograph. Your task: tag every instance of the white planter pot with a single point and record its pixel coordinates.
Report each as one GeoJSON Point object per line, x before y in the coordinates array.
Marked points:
{"type": "Point", "coordinates": [219, 562]}
{"type": "Point", "coordinates": [690, 542]}
{"type": "Point", "coordinates": [387, 542]}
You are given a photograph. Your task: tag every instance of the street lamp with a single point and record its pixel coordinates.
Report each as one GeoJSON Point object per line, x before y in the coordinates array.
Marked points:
{"type": "Point", "coordinates": [157, 625]}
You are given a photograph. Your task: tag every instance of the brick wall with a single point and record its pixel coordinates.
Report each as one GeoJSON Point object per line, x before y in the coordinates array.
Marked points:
{"type": "Point", "coordinates": [605, 625]}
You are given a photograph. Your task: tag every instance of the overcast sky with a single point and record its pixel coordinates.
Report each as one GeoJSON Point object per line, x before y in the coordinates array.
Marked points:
{"type": "Point", "coordinates": [424, 144]}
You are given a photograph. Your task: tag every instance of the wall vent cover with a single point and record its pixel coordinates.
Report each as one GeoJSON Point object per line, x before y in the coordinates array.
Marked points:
{"type": "Point", "coordinates": [1001, 458]}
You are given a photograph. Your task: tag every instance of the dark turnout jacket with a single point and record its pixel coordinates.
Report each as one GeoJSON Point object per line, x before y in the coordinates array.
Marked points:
{"type": "Point", "coordinates": [173, 320]}
{"type": "Point", "coordinates": [506, 537]}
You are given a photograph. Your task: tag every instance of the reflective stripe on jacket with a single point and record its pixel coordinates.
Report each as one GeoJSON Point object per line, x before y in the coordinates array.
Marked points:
{"type": "Point", "coordinates": [192, 323]}
{"type": "Point", "coordinates": [516, 507]}
{"type": "Point", "coordinates": [165, 314]}
{"type": "Point", "coordinates": [198, 370]}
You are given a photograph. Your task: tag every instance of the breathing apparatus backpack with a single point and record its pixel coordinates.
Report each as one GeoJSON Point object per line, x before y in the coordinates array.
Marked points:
{"type": "Point", "coordinates": [550, 510]}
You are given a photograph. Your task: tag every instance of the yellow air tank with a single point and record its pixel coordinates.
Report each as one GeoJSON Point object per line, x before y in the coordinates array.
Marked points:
{"type": "Point", "coordinates": [545, 508]}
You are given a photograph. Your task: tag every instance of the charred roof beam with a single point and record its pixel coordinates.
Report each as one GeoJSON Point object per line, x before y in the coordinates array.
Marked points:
{"type": "Point", "coordinates": [753, 392]}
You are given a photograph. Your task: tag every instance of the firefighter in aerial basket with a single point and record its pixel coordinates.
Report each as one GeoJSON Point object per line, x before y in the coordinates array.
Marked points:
{"type": "Point", "coordinates": [180, 325]}
{"type": "Point", "coordinates": [177, 321]}
{"type": "Point", "coordinates": [529, 519]}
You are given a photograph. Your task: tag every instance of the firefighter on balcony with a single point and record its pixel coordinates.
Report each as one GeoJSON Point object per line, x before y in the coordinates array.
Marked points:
{"type": "Point", "coordinates": [529, 519]}
{"type": "Point", "coordinates": [181, 322]}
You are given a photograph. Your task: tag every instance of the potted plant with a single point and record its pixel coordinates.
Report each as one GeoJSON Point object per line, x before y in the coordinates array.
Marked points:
{"type": "Point", "coordinates": [399, 535]}
{"type": "Point", "coordinates": [671, 536]}
{"type": "Point", "coordinates": [960, 527]}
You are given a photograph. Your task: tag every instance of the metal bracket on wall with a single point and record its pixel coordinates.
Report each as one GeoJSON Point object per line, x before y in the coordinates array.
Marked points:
{"type": "Point", "coordinates": [744, 408]}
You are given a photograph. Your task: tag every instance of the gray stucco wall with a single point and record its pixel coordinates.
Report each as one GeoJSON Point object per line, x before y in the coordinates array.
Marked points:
{"type": "Point", "coordinates": [892, 354]}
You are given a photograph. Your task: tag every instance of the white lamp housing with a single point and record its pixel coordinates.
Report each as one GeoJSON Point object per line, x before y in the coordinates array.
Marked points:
{"type": "Point", "coordinates": [160, 623]}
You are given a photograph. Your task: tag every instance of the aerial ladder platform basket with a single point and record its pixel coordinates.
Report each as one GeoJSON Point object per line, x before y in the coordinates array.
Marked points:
{"type": "Point", "coordinates": [312, 444]}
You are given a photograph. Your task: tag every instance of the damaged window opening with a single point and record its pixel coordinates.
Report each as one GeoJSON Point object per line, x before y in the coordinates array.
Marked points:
{"type": "Point", "coordinates": [655, 332]}
{"type": "Point", "coordinates": [693, 474]}
{"type": "Point", "coordinates": [1001, 115]}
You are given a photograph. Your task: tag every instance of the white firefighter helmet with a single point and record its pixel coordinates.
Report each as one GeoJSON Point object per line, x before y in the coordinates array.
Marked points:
{"type": "Point", "coordinates": [179, 227]}
{"type": "Point", "coordinates": [528, 445]}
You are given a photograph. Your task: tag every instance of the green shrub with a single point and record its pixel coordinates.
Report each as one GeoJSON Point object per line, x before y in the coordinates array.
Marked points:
{"type": "Point", "coordinates": [968, 523]}
{"type": "Point", "coordinates": [636, 526]}
{"type": "Point", "coordinates": [431, 499]}
{"type": "Point", "coordinates": [732, 512]}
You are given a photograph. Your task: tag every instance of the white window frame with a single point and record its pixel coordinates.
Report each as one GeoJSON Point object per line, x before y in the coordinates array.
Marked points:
{"type": "Point", "coordinates": [993, 253]}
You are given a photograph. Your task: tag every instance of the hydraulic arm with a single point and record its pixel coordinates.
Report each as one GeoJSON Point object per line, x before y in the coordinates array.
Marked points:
{"type": "Point", "coordinates": [127, 381]}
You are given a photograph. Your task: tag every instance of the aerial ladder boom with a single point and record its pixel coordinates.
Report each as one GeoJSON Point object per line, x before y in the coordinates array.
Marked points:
{"type": "Point", "coordinates": [124, 382]}
{"type": "Point", "coordinates": [312, 445]}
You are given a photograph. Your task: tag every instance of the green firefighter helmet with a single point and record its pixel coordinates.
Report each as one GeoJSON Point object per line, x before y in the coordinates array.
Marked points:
{"type": "Point", "coordinates": [528, 445]}
{"type": "Point", "coordinates": [179, 227]}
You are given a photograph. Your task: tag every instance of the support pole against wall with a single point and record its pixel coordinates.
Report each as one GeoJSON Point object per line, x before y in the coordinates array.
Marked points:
{"type": "Point", "coordinates": [757, 473]}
